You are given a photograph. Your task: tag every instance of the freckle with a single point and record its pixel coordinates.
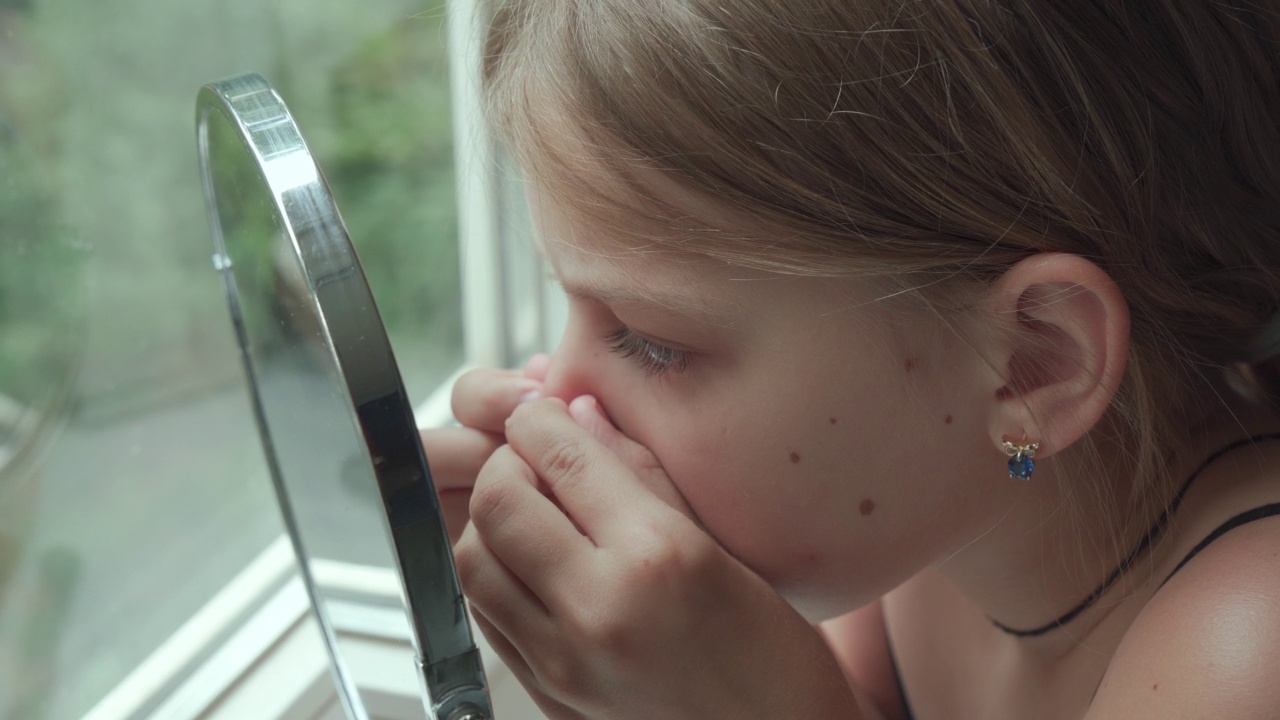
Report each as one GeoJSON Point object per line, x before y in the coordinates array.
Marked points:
{"type": "Point", "coordinates": [1156, 686]}
{"type": "Point", "coordinates": [867, 507]}
{"type": "Point", "coordinates": [795, 457]}
{"type": "Point", "coordinates": [833, 421]}
{"type": "Point", "coordinates": [949, 420]}
{"type": "Point", "coordinates": [911, 364]}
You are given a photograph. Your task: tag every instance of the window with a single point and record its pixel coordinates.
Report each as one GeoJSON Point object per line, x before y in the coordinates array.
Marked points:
{"type": "Point", "coordinates": [133, 494]}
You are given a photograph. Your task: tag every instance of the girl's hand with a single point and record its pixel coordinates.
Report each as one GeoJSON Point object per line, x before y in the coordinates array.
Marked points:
{"type": "Point", "coordinates": [594, 582]}
{"type": "Point", "coordinates": [482, 401]}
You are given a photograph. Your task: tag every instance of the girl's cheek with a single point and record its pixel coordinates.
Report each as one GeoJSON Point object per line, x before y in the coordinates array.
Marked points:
{"type": "Point", "coordinates": [693, 452]}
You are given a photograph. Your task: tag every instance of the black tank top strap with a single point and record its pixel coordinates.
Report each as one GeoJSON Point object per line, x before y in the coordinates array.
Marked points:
{"type": "Point", "coordinates": [1244, 518]}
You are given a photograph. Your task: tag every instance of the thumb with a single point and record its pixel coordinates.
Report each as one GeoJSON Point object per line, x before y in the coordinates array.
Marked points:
{"type": "Point", "coordinates": [586, 411]}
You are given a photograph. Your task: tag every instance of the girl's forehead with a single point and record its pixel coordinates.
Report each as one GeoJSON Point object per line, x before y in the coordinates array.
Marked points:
{"type": "Point", "coordinates": [697, 287]}
{"type": "Point", "coordinates": [616, 193]}
{"type": "Point", "coordinates": [607, 271]}
{"type": "Point", "coordinates": [617, 241]}
{"type": "Point", "coordinates": [592, 258]}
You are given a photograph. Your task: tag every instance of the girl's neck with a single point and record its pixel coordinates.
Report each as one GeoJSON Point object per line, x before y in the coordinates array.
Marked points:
{"type": "Point", "coordinates": [1052, 546]}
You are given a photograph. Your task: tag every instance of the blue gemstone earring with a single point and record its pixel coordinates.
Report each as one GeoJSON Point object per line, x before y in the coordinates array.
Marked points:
{"type": "Point", "coordinates": [1021, 462]}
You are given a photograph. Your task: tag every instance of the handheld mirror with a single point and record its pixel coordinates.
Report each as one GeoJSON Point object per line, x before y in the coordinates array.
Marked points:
{"type": "Point", "coordinates": [326, 392]}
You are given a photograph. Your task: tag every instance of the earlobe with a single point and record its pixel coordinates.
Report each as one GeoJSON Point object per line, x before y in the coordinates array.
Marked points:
{"type": "Point", "coordinates": [1064, 342]}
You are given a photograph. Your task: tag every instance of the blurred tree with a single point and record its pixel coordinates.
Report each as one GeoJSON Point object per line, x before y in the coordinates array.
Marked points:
{"type": "Point", "coordinates": [392, 172]}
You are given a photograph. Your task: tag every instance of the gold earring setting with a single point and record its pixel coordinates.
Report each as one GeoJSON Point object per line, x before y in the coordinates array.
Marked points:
{"type": "Point", "coordinates": [1021, 457]}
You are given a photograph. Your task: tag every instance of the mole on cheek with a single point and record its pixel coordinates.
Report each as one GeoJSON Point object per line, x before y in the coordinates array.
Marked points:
{"type": "Point", "coordinates": [949, 420]}
{"type": "Point", "coordinates": [833, 421]}
{"type": "Point", "coordinates": [867, 507]}
{"type": "Point", "coordinates": [795, 458]}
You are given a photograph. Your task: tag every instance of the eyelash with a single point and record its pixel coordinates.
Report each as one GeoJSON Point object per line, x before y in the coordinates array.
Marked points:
{"type": "Point", "coordinates": [653, 359]}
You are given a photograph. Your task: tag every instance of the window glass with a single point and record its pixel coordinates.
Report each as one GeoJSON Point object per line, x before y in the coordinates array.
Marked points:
{"type": "Point", "coordinates": [525, 277]}
{"type": "Point", "coordinates": [132, 486]}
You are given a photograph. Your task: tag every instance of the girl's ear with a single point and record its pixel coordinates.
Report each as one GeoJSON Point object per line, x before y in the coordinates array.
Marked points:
{"type": "Point", "coordinates": [1064, 340]}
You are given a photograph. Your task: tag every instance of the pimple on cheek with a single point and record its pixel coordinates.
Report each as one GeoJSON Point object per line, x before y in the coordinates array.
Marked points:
{"type": "Point", "coordinates": [911, 364]}
{"type": "Point", "coordinates": [867, 507]}
{"type": "Point", "coordinates": [795, 458]}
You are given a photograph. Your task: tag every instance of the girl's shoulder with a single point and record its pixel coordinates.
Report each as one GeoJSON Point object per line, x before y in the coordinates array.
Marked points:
{"type": "Point", "coordinates": [1207, 643]}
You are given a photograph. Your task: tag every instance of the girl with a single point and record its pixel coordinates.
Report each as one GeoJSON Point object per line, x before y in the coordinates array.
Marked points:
{"type": "Point", "coordinates": [922, 361]}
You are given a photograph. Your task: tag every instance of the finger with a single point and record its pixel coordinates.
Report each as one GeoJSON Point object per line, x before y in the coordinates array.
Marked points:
{"type": "Point", "coordinates": [484, 398]}
{"type": "Point", "coordinates": [537, 367]}
{"type": "Point", "coordinates": [511, 657]}
{"type": "Point", "coordinates": [524, 528]}
{"type": "Point", "coordinates": [519, 666]}
{"type": "Point", "coordinates": [506, 650]}
{"type": "Point", "coordinates": [586, 411]}
{"type": "Point", "coordinates": [456, 454]}
{"type": "Point", "coordinates": [455, 509]}
{"type": "Point", "coordinates": [593, 485]}
{"type": "Point", "coordinates": [494, 590]}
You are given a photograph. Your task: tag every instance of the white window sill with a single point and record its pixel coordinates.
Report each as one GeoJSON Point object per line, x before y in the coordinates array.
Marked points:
{"type": "Point", "coordinates": [273, 665]}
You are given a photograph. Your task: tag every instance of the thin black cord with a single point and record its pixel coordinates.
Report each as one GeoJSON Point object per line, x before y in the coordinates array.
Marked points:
{"type": "Point", "coordinates": [1153, 535]}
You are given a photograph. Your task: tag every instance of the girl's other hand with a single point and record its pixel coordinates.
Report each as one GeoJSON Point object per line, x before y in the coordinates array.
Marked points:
{"type": "Point", "coordinates": [594, 582]}
{"type": "Point", "coordinates": [483, 399]}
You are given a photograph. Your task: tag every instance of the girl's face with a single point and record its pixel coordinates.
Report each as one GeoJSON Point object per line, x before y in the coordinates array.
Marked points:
{"type": "Point", "coordinates": [833, 442]}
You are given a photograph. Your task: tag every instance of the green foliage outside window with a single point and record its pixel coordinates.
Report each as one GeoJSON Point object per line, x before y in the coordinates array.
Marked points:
{"type": "Point", "coordinates": [391, 170]}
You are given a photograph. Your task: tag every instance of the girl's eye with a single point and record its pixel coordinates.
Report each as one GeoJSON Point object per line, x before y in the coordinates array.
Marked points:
{"type": "Point", "coordinates": [653, 358]}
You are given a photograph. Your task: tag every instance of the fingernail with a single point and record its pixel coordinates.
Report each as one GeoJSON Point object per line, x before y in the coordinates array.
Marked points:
{"type": "Point", "coordinates": [529, 391]}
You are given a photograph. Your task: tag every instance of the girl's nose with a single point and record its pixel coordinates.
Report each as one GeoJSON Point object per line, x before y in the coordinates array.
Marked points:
{"type": "Point", "coordinates": [573, 366]}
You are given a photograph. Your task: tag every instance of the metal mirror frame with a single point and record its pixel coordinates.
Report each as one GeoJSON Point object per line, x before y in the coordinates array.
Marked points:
{"type": "Point", "coordinates": [448, 662]}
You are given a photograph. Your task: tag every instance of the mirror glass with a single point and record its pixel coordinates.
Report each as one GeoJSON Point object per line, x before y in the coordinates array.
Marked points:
{"type": "Point", "coordinates": [337, 429]}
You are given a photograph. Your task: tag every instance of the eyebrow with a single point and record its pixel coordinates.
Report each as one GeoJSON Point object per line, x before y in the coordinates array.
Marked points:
{"type": "Point", "coordinates": [691, 305]}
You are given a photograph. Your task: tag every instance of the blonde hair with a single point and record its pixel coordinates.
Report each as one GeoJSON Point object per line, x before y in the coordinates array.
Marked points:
{"type": "Point", "coordinates": [935, 140]}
